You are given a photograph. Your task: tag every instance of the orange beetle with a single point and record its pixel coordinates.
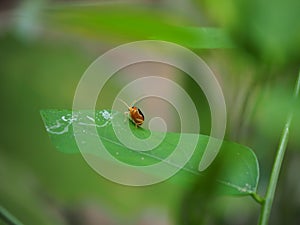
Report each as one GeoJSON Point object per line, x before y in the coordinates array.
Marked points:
{"type": "Point", "coordinates": [135, 113]}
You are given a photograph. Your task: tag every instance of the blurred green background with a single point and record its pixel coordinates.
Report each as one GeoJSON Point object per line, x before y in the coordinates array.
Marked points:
{"type": "Point", "coordinates": [45, 47]}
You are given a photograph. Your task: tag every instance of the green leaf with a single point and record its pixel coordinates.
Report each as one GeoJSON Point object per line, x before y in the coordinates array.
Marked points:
{"type": "Point", "coordinates": [123, 23]}
{"type": "Point", "coordinates": [236, 165]}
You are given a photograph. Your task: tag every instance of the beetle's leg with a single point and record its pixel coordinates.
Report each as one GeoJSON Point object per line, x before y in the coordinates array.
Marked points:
{"type": "Point", "coordinates": [125, 116]}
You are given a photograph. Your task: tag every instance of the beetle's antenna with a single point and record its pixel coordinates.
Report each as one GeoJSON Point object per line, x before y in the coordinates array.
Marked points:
{"type": "Point", "coordinates": [124, 103]}
{"type": "Point", "coordinates": [133, 103]}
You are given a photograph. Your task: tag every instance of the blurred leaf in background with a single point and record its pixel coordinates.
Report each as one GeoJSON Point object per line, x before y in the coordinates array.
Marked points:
{"type": "Point", "coordinates": [119, 24]}
{"type": "Point", "coordinates": [268, 30]}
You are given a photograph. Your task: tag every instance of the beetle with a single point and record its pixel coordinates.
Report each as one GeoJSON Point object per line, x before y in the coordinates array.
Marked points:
{"type": "Point", "coordinates": [135, 113]}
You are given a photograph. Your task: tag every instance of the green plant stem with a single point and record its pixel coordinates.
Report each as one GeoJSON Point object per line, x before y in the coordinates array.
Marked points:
{"type": "Point", "coordinates": [267, 204]}
{"type": "Point", "coordinates": [258, 198]}
{"type": "Point", "coordinates": [8, 218]}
